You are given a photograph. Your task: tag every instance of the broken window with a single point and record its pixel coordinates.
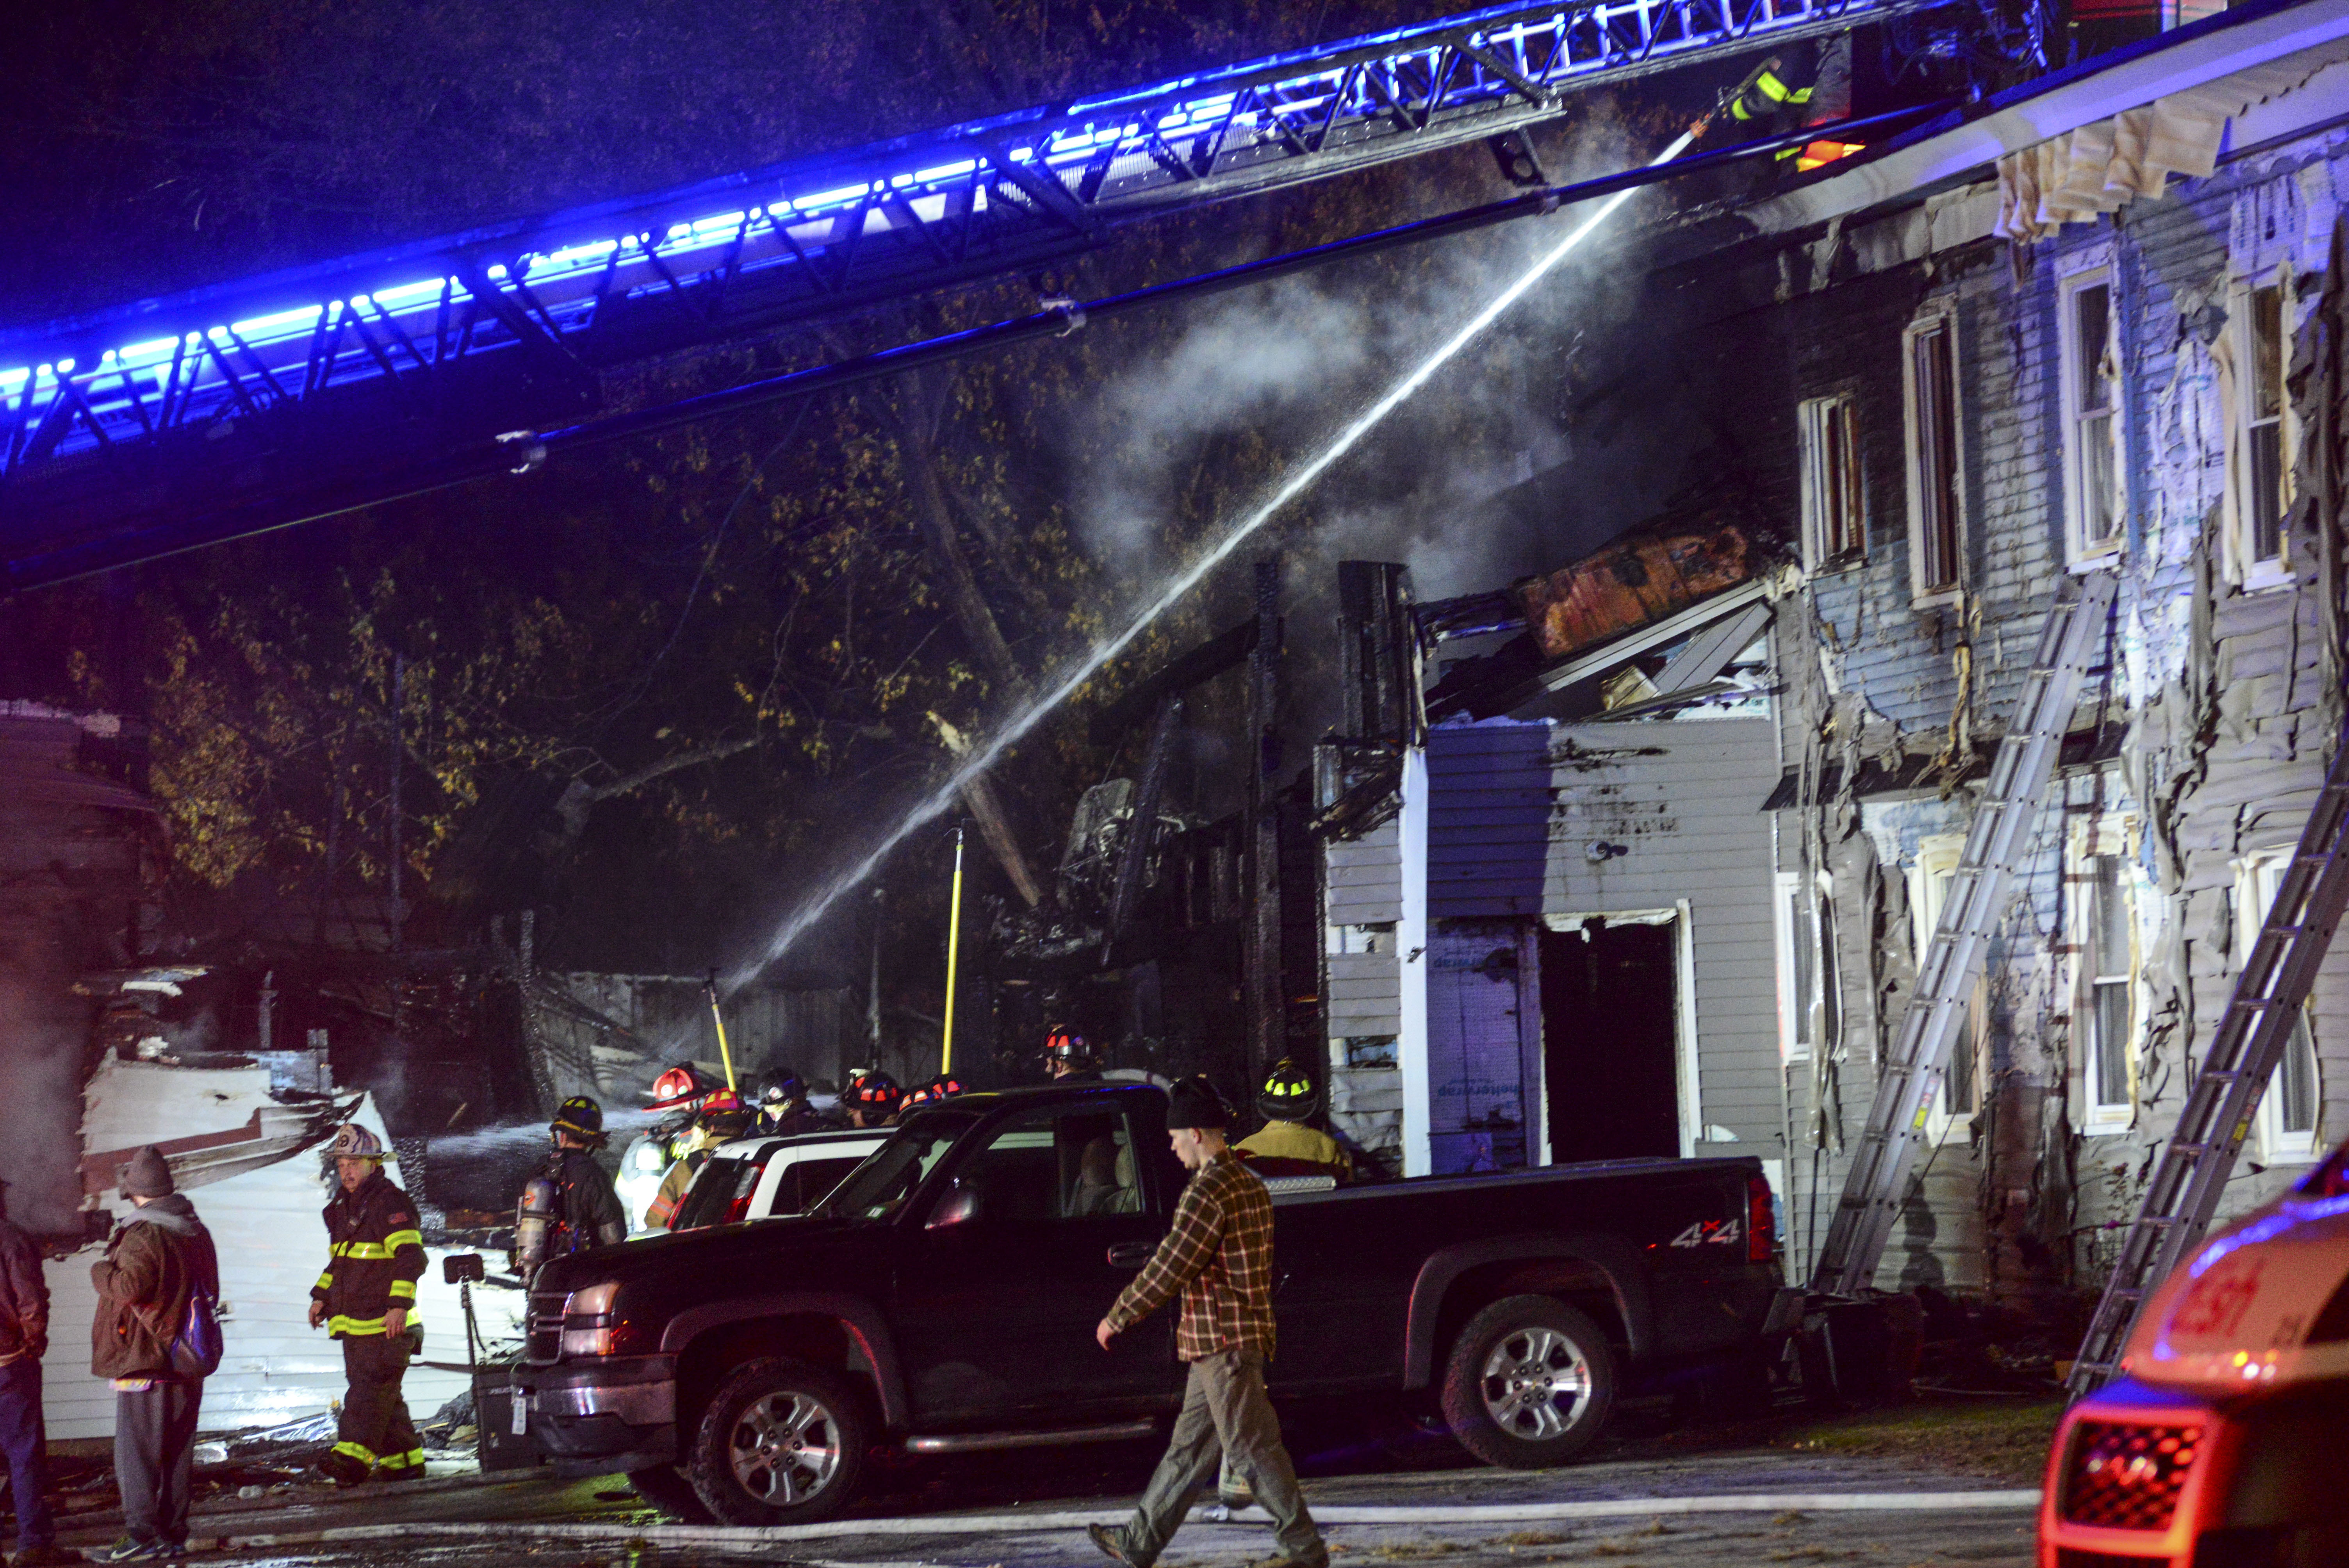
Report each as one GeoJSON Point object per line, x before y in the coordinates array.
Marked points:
{"type": "Point", "coordinates": [1835, 520]}
{"type": "Point", "coordinates": [2091, 366]}
{"type": "Point", "coordinates": [1961, 1093]}
{"type": "Point", "coordinates": [1807, 985]}
{"type": "Point", "coordinates": [2289, 1108]}
{"type": "Point", "coordinates": [2260, 491]}
{"type": "Point", "coordinates": [2105, 881]}
{"type": "Point", "coordinates": [1935, 525]}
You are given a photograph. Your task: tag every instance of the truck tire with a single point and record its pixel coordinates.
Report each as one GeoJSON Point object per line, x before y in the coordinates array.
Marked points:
{"type": "Point", "coordinates": [780, 1443]}
{"type": "Point", "coordinates": [666, 1488]}
{"type": "Point", "coordinates": [1528, 1384]}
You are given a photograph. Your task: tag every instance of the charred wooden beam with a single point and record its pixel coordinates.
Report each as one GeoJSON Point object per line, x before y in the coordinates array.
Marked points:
{"type": "Point", "coordinates": [1208, 660]}
{"type": "Point", "coordinates": [1141, 826]}
{"type": "Point", "coordinates": [1266, 1008]}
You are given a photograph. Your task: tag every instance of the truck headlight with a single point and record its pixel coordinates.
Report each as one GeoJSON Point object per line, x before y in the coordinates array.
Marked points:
{"type": "Point", "coordinates": [588, 1328]}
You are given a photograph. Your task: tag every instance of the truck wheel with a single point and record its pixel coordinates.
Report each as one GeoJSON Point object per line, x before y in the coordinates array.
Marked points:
{"type": "Point", "coordinates": [781, 1443]}
{"type": "Point", "coordinates": [1529, 1383]}
{"type": "Point", "coordinates": [666, 1488]}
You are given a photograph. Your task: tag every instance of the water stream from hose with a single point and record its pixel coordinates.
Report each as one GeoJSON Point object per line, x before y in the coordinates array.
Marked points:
{"type": "Point", "coordinates": [936, 804]}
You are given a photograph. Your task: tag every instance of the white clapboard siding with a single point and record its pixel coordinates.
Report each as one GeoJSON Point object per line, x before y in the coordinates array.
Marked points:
{"type": "Point", "coordinates": [1515, 809]}
{"type": "Point", "coordinates": [273, 1245]}
{"type": "Point", "coordinates": [1366, 878]}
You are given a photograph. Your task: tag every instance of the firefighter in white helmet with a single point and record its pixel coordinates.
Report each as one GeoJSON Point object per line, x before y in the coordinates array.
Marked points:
{"type": "Point", "coordinates": [374, 1255]}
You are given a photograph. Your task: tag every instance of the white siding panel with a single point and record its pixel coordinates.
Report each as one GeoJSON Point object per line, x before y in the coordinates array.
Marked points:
{"type": "Point", "coordinates": [1515, 809]}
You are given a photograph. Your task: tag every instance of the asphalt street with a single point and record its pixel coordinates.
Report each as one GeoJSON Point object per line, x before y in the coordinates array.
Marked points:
{"type": "Point", "coordinates": [1627, 1508]}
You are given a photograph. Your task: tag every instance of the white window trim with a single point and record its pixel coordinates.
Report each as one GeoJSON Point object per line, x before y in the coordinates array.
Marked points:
{"type": "Point", "coordinates": [1687, 1069]}
{"type": "Point", "coordinates": [1792, 1047]}
{"type": "Point", "coordinates": [2092, 270]}
{"type": "Point", "coordinates": [2254, 576]}
{"type": "Point", "coordinates": [1939, 313]}
{"type": "Point", "coordinates": [1937, 856]}
{"type": "Point", "coordinates": [1811, 415]}
{"type": "Point", "coordinates": [2114, 834]}
{"type": "Point", "coordinates": [2277, 1146]}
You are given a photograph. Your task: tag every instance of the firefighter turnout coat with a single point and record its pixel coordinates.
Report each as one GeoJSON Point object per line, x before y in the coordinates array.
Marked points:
{"type": "Point", "coordinates": [374, 1255]}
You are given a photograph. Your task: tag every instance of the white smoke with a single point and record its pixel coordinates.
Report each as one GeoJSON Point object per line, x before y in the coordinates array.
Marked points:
{"type": "Point", "coordinates": [1267, 370]}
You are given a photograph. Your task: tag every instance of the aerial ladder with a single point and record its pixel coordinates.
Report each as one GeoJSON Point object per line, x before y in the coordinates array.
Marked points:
{"type": "Point", "coordinates": [357, 379]}
{"type": "Point", "coordinates": [1877, 1186]}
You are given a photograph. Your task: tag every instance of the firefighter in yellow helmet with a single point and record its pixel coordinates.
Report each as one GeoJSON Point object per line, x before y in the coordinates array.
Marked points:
{"type": "Point", "coordinates": [1287, 1146]}
{"type": "Point", "coordinates": [374, 1255]}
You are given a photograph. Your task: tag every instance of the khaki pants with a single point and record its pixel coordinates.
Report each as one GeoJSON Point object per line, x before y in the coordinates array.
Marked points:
{"type": "Point", "coordinates": [1224, 1412]}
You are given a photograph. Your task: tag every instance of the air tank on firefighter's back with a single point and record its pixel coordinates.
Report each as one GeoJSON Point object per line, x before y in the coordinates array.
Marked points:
{"type": "Point", "coordinates": [533, 1222]}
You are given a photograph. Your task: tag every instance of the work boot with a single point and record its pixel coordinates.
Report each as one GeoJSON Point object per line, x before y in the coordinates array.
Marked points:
{"type": "Point", "coordinates": [389, 1473]}
{"type": "Point", "coordinates": [49, 1554]}
{"type": "Point", "coordinates": [1319, 1559]}
{"type": "Point", "coordinates": [338, 1470]}
{"type": "Point", "coordinates": [1112, 1542]}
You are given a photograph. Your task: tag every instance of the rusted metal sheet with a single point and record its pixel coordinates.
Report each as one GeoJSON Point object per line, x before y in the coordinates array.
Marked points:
{"type": "Point", "coordinates": [1624, 586]}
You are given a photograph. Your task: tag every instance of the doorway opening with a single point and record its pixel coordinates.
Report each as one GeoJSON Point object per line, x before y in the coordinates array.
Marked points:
{"type": "Point", "coordinates": [1610, 1040]}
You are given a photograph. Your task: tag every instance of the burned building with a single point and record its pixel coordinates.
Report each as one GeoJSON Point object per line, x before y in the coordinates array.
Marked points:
{"type": "Point", "coordinates": [1657, 873]}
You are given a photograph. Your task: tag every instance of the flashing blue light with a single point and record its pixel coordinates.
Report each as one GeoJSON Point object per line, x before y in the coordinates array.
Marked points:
{"type": "Point", "coordinates": [823, 199]}
{"type": "Point", "coordinates": [2268, 1229]}
{"type": "Point", "coordinates": [261, 327]}
{"type": "Point", "coordinates": [947, 171]}
{"type": "Point", "coordinates": [12, 379]}
{"type": "Point", "coordinates": [497, 273]}
{"type": "Point", "coordinates": [405, 293]}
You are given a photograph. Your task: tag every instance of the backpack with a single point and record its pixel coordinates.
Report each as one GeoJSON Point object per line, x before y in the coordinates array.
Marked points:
{"type": "Point", "coordinates": [196, 1351]}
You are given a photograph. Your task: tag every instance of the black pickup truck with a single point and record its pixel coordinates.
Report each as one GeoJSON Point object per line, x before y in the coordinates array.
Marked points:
{"type": "Point", "coordinates": [943, 1299]}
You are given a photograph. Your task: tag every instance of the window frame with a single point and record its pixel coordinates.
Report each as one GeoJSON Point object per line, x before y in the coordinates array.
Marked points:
{"type": "Point", "coordinates": [1938, 317]}
{"type": "Point", "coordinates": [1825, 548]}
{"type": "Point", "coordinates": [1798, 929]}
{"type": "Point", "coordinates": [2116, 837]}
{"type": "Point", "coordinates": [2256, 875]}
{"type": "Point", "coordinates": [2251, 573]}
{"type": "Point", "coordinates": [1936, 863]}
{"type": "Point", "coordinates": [2080, 552]}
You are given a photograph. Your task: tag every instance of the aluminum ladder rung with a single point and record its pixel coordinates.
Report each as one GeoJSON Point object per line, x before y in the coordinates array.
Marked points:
{"type": "Point", "coordinates": [2275, 979]}
{"type": "Point", "coordinates": [1997, 840]}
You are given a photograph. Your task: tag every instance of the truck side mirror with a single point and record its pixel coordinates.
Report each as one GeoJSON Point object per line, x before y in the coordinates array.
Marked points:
{"type": "Point", "coordinates": [959, 1207]}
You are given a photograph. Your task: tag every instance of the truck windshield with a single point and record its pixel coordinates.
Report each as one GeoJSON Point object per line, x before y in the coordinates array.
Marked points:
{"type": "Point", "coordinates": [881, 1185]}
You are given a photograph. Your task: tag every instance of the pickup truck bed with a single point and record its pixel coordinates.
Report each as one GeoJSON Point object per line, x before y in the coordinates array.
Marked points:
{"type": "Point", "coordinates": [944, 1298]}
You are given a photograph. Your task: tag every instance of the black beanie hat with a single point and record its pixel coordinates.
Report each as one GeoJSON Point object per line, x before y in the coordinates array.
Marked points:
{"type": "Point", "coordinates": [148, 1175]}
{"type": "Point", "coordinates": [1193, 1102]}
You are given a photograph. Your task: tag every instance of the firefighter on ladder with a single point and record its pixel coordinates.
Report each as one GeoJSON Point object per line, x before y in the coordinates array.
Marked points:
{"type": "Point", "coordinates": [1767, 103]}
{"type": "Point", "coordinates": [374, 1255]}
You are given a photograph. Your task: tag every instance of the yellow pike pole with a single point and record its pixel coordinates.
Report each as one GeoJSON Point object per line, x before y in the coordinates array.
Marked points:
{"type": "Point", "coordinates": [953, 951]}
{"type": "Point", "coordinates": [710, 990]}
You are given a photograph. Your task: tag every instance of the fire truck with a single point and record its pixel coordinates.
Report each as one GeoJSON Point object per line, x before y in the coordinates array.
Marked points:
{"type": "Point", "coordinates": [2225, 1441]}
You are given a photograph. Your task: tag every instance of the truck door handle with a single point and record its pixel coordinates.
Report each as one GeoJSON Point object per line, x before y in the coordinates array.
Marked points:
{"type": "Point", "coordinates": [1130, 1254]}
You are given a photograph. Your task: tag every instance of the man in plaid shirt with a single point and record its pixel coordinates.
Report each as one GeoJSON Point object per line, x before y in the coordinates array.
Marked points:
{"type": "Point", "coordinates": [1219, 1255]}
